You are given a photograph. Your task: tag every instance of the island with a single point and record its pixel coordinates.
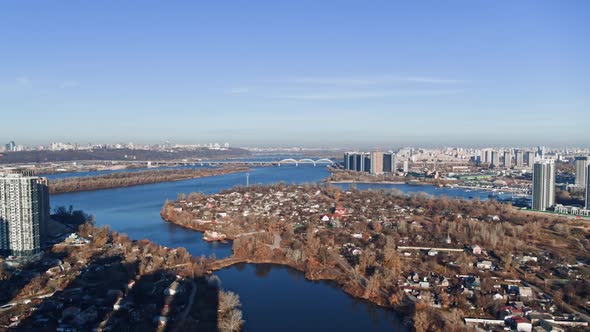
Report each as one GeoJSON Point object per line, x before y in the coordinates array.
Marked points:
{"type": "Point", "coordinates": [134, 178]}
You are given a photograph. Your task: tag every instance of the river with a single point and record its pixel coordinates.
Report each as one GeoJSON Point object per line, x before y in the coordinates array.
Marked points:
{"type": "Point", "coordinates": [274, 298]}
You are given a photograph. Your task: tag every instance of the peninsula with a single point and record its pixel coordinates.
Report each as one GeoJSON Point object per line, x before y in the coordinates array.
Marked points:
{"type": "Point", "coordinates": [441, 261]}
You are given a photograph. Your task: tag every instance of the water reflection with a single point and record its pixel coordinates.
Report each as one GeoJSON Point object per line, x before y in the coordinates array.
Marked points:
{"type": "Point", "coordinates": [282, 300]}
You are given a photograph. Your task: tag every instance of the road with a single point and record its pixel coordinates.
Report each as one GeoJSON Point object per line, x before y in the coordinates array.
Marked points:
{"type": "Point", "coordinates": [566, 306]}
{"type": "Point", "coordinates": [21, 301]}
{"type": "Point", "coordinates": [182, 317]}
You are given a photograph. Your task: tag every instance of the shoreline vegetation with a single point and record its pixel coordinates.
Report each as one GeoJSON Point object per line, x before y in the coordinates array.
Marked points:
{"type": "Point", "coordinates": [106, 155]}
{"type": "Point", "coordinates": [352, 177]}
{"type": "Point", "coordinates": [343, 176]}
{"type": "Point", "coordinates": [128, 179]}
{"type": "Point", "coordinates": [310, 271]}
{"type": "Point", "coordinates": [126, 284]}
{"type": "Point", "coordinates": [358, 239]}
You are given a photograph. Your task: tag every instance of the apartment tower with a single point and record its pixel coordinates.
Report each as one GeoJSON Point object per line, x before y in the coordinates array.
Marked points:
{"type": "Point", "coordinates": [543, 185]}
{"type": "Point", "coordinates": [24, 214]}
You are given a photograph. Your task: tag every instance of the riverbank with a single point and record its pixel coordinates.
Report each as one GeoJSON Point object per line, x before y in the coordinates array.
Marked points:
{"type": "Point", "coordinates": [339, 273]}
{"type": "Point", "coordinates": [128, 179]}
{"type": "Point", "coordinates": [312, 271]}
{"type": "Point", "coordinates": [136, 212]}
{"type": "Point", "coordinates": [115, 275]}
{"type": "Point", "coordinates": [382, 247]}
{"type": "Point", "coordinates": [367, 182]}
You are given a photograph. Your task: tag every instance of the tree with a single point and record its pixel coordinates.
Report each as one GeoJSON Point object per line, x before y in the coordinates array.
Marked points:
{"type": "Point", "coordinates": [421, 318]}
{"type": "Point", "coordinates": [232, 321]}
{"type": "Point", "coordinates": [230, 315]}
{"type": "Point", "coordinates": [228, 300]}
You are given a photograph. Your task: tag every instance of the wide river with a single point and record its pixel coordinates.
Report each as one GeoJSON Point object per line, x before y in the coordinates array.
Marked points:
{"type": "Point", "coordinates": [274, 298]}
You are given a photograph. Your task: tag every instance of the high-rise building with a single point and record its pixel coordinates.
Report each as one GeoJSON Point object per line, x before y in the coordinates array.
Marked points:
{"type": "Point", "coordinates": [486, 156]}
{"type": "Point", "coordinates": [541, 152]}
{"type": "Point", "coordinates": [371, 162]}
{"type": "Point", "coordinates": [367, 164]}
{"type": "Point", "coordinates": [389, 162]}
{"type": "Point", "coordinates": [346, 161]}
{"type": "Point", "coordinates": [581, 163]}
{"type": "Point", "coordinates": [543, 185]}
{"type": "Point", "coordinates": [11, 146]}
{"type": "Point", "coordinates": [519, 158]}
{"type": "Point", "coordinates": [349, 161]}
{"type": "Point", "coordinates": [507, 162]}
{"type": "Point", "coordinates": [495, 162]}
{"type": "Point", "coordinates": [376, 163]}
{"type": "Point", "coordinates": [588, 188]}
{"type": "Point", "coordinates": [529, 158]}
{"type": "Point", "coordinates": [24, 214]}
{"type": "Point", "coordinates": [359, 162]}
{"type": "Point", "coordinates": [406, 166]}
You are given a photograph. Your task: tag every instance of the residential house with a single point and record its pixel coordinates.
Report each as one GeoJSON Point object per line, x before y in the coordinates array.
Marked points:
{"type": "Point", "coordinates": [475, 249]}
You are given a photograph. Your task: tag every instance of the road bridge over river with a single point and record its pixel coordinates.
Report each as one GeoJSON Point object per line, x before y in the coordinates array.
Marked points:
{"type": "Point", "coordinates": [184, 162]}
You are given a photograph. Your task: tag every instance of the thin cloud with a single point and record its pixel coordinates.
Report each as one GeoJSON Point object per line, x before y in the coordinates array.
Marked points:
{"type": "Point", "coordinates": [239, 90]}
{"type": "Point", "coordinates": [376, 80]}
{"type": "Point", "coordinates": [333, 80]}
{"type": "Point", "coordinates": [69, 84]}
{"type": "Point", "coordinates": [350, 95]}
{"type": "Point", "coordinates": [23, 81]}
{"type": "Point", "coordinates": [433, 80]}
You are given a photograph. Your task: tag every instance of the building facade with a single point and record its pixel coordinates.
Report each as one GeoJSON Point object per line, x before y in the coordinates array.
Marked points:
{"type": "Point", "coordinates": [519, 158]}
{"type": "Point", "coordinates": [370, 162]}
{"type": "Point", "coordinates": [543, 185]}
{"type": "Point", "coordinates": [588, 188]}
{"type": "Point", "coordinates": [24, 214]}
{"type": "Point", "coordinates": [507, 161]}
{"type": "Point", "coordinates": [581, 164]}
{"type": "Point", "coordinates": [376, 163]}
{"type": "Point", "coordinates": [495, 159]}
{"type": "Point", "coordinates": [486, 156]}
{"type": "Point", "coordinates": [359, 162]}
{"type": "Point", "coordinates": [389, 162]}
{"type": "Point", "coordinates": [11, 146]}
{"type": "Point", "coordinates": [529, 158]}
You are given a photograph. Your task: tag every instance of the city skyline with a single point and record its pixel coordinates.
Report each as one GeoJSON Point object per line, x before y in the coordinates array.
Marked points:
{"type": "Point", "coordinates": [292, 166]}
{"type": "Point", "coordinates": [262, 73]}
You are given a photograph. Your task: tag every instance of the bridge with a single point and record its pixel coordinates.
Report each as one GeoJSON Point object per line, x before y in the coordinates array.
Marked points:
{"type": "Point", "coordinates": [201, 162]}
{"type": "Point", "coordinates": [305, 161]}
{"type": "Point", "coordinates": [288, 161]}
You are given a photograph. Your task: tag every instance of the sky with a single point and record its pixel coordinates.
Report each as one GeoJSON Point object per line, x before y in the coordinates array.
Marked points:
{"type": "Point", "coordinates": [296, 73]}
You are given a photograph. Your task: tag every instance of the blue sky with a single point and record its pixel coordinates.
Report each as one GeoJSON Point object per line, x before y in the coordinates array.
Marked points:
{"type": "Point", "coordinates": [311, 73]}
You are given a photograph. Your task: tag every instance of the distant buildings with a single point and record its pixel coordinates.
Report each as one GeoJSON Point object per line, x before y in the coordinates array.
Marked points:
{"type": "Point", "coordinates": [519, 158]}
{"type": "Point", "coordinates": [507, 162]}
{"type": "Point", "coordinates": [495, 162]}
{"type": "Point", "coordinates": [24, 214]}
{"type": "Point", "coordinates": [529, 158]}
{"type": "Point", "coordinates": [581, 164]}
{"type": "Point", "coordinates": [588, 188]}
{"type": "Point", "coordinates": [543, 185]}
{"type": "Point", "coordinates": [376, 163]}
{"type": "Point", "coordinates": [11, 146]}
{"type": "Point", "coordinates": [389, 162]}
{"type": "Point", "coordinates": [373, 162]}
{"type": "Point", "coordinates": [486, 156]}
{"type": "Point", "coordinates": [541, 152]}
{"type": "Point", "coordinates": [355, 161]}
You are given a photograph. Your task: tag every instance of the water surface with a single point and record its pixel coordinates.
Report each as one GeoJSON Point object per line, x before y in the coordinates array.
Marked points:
{"type": "Point", "coordinates": [275, 298]}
